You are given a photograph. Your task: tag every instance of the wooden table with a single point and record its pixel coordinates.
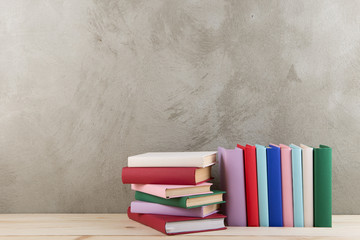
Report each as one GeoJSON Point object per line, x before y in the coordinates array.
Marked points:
{"type": "Point", "coordinates": [118, 226]}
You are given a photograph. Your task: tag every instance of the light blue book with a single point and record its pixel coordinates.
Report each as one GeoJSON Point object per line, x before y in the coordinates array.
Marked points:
{"type": "Point", "coordinates": [262, 185]}
{"type": "Point", "coordinates": [296, 167]}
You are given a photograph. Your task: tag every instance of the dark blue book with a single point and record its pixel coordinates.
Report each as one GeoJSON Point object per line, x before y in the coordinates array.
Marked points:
{"type": "Point", "coordinates": [274, 186]}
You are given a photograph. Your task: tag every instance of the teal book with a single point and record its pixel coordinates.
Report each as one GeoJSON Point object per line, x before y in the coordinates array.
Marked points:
{"type": "Point", "coordinates": [262, 185]}
{"type": "Point", "coordinates": [322, 186]}
{"type": "Point", "coordinates": [297, 177]}
{"type": "Point", "coordinates": [192, 201]}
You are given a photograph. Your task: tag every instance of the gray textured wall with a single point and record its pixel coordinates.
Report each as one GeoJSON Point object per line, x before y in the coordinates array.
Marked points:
{"type": "Point", "coordinates": [84, 84]}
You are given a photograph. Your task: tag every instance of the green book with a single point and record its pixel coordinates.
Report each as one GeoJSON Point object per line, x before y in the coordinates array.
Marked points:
{"type": "Point", "coordinates": [184, 202]}
{"type": "Point", "coordinates": [322, 186]}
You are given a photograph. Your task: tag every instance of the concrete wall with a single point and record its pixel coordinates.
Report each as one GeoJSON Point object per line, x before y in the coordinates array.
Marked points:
{"type": "Point", "coordinates": [84, 84]}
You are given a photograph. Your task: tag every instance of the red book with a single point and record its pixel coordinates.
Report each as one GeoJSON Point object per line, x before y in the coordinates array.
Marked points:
{"type": "Point", "coordinates": [172, 225]}
{"type": "Point", "coordinates": [252, 206]}
{"type": "Point", "coordinates": [166, 175]}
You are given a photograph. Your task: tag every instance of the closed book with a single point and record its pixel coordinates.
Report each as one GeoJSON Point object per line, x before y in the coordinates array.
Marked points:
{"type": "Point", "coordinates": [286, 180]}
{"type": "Point", "coordinates": [262, 185]}
{"type": "Point", "coordinates": [172, 225]}
{"type": "Point", "coordinates": [308, 181]}
{"type": "Point", "coordinates": [231, 165]}
{"type": "Point", "coordinates": [172, 191]}
{"type": "Point", "coordinates": [173, 159]}
{"type": "Point", "coordinates": [184, 202]}
{"type": "Point", "coordinates": [155, 208]}
{"type": "Point", "coordinates": [252, 206]}
{"type": "Point", "coordinates": [322, 186]}
{"type": "Point", "coordinates": [297, 185]}
{"type": "Point", "coordinates": [165, 175]}
{"type": "Point", "coordinates": [274, 186]}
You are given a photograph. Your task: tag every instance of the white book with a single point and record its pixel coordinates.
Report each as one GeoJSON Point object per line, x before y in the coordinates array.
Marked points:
{"type": "Point", "coordinates": [173, 159]}
{"type": "Point", "coordinates": [307, 161]}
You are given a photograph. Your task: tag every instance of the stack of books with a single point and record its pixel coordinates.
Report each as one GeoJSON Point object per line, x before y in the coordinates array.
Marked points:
{"type": "Point", "coordinates": [172, 192]}
{"type": "Point", "coordinates": [278, 185]}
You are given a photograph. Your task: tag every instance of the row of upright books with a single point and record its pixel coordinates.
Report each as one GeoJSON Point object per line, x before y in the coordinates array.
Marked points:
{"type": "Point", "coordinates": [279, 186]}
{"type": "Point", "coordinates": [172, 192]}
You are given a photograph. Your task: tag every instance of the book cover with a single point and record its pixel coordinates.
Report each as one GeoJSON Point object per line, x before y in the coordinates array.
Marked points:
{"type": "Point", "coordinates": [274, 186]}
{"type": "Point", "coordinates": [173, 159]}
{"type": "Point", "coordinates": [262, 185]}
{"type": "Point", "coordinates": [158, 222]}
{"type": "Point", "coordinates": [308, 181]}
{"type": "Point", "coordinates": [252, 204]}
{"type": "Point", "coordinates": [177, 202]}
{"type": "Point", "coordinates": [286, 180]}
{"type": "Point", "coordinates": [231, 165]}
{"type": "Point", "coordinates": [161, 190]}
{"type": "Point", "coordinates": [297, 185]}
{"type": "Point", "coordinates": [163, 175]}
{"type": "Point", "coordinates": [155, 208]}
{"type": "Point", "coordinates": [322, 186]}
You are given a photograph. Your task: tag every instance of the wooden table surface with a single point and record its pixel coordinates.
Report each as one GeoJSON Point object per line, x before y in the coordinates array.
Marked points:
{"type": "Point", "coordinates": [118, 226]}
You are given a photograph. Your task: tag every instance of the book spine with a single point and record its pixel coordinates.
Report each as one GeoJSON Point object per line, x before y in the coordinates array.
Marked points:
{"type": "Point", "coordinates": [274, 187]}
{"type": "Point", "coordinates": [308, 187]}
{"type": "Point", "coordinates": [297, 187]}
{"type": "Point", "coordinates": [287, 194]}
{"type": "Point", "coordinates": [252, 204]}
{"type": "Point", "coordinates": [262, 186]}
{"type": "Point", "coordinates": [322, 186]}
{"type": "Point", "coordinates": [232, 181]}
{"type": "Point", "coordinates": [160, 175]}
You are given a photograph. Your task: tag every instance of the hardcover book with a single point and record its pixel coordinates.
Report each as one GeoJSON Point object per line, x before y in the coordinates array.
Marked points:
{"type": "Point", "coordinates": [308, 181]}
{"type": "Point", "coordinates": [166, 175]}
{"type": "Point", "coordinates": [231, 165]}
{"type": "Point", "coordinates": [252, 207]}
{"type": "Point", "coordinates": [274, 186]}
{"type": "Point", "coordinates": [286, 180]}
{"type": "Point", "coordinates": [173, 159]}
{"type": "Point", "coordinates": [262, 185]}
{"type": "Point", "coordinates": [184, 202]}
{"type": "Point", "coordinates": [155, 208]}
{"type": "Point", "coordinates": [322, 186]}
{"type": "Point", "coordinates": [172, 225]}
{"type": "Point", "coordinates": [297, 186]}
{"type": "Point", "coordinates": [172, 191]}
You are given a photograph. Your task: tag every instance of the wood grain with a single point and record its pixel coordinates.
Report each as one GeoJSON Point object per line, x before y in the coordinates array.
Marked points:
{"type": "Point", "coordinates": [118, 226]}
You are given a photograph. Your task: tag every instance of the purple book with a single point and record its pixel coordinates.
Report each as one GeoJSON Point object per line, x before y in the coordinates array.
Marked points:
{"type": "Point", "coordinates": [155, 208]}
{"type": "Point", "coordinates": [231, 165]}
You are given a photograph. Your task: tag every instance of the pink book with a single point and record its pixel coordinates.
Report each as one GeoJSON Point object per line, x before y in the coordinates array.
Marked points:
{"type": "Point", "coordinates": [172, 191]}
{"type": "Point", "coordinates": [155, 208]}
{"type": "Point", "coordinates": [287, 196]}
